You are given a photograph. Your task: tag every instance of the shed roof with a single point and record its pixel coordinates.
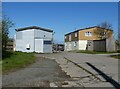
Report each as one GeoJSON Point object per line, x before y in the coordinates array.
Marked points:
{"type": "Point", "coordinates": [34, 27]}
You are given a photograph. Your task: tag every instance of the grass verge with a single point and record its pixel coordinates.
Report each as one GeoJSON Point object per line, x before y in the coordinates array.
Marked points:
{"type": "Point", "coordinates": [116, 56]}
{"type": "Point", "coordinates": [91, 52]}
{"type": "Point", "coordinates": [16, 60]}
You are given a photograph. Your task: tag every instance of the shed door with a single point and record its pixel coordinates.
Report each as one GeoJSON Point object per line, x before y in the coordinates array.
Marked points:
{"type": "Point", "coordinates": [39, 45]}
{"type": "Point", "coordinates": [99, 45]}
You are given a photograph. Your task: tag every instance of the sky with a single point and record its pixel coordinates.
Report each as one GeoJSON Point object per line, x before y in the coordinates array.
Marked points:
{"type": "Point", "coordinates": [62, 17]}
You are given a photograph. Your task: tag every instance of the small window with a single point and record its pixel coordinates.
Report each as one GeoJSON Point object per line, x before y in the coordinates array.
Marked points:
{"type": "Point", "coordinates": [75, 34]}
{"type": "Point", "coordinates": [47, 42]}
{"type": "Point", "coordinates": [75, 44]}
{"type": "Point", "coordinates": [104, 33]}
{"type": "Point", "coordinates": [65, 37]}
{"type": "Point", "coordinates": [88, 33]}
{"type": "Point", "coordinates": [70, 37]}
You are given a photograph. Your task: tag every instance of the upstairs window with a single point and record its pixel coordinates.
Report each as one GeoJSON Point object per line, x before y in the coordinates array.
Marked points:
{"type": "Point", "coordinates": [88, 33]}
{"type": "Point", "coordinates": [75, 44]}
{"type": "Point", "coordinates": [65, 37]}
{"type": "Point", "coordinates": [76, 34]}
{"type": "Point", "coordinates": [70, 37]}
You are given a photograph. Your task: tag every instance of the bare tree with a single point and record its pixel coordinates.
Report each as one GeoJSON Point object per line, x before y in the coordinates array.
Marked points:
{"type": "Point", "coordinates": [104, 30]}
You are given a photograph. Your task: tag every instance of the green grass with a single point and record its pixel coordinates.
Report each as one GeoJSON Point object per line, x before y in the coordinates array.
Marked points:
{"type": "Point", "coordinates": [116, 56]}
{"type": "Point", "coordinates": [16, 60]}
{"type": "Point", "coordinates": [91, 52]}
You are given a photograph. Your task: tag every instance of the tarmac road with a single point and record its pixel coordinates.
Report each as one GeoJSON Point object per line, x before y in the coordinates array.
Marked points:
{"type": "Point", "coordinates": [39, 74]}
{"type": "Point", "coordinates": [88, 70]}
{"type": "Point", "coordinates": [66, 69]}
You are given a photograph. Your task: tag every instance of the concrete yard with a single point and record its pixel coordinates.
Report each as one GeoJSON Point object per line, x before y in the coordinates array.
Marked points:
{"type": "Point", "coordinates": [66, 69]}
{"type": "Point", "coordinates": [94, 71]}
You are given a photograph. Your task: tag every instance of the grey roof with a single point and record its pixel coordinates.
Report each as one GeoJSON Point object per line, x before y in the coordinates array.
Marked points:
{"type": "Point", "coordinates": [34, 27]}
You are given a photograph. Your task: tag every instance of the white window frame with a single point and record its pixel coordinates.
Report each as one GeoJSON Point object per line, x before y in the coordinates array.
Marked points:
{"type": "Point", "coordinates": [76, 34]}
{"type": "Point", "coordinates": [75, 44]}
{"type": "Point", "coordinates": [65, 37]}
{"type": "Point", "coordinates": [88, 33]}
{"type": "Point", "coordinates": [70, 37]}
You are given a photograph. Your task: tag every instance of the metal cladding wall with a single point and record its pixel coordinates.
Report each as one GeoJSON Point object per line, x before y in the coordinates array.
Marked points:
{"type": "Point", "coordinates": [47, 48]}
{"type": "Point", "coordinates": [23, 38]}
{"type": "Point", "coordinates": [40, 37]}
{"type": "Point", "coordinates": [33, 38]}
{"type": "Point", "coordinates": [99, 45]}
{"type": "Point", "coordinates": [39, 45]}
{"type": "Point", "coordinates": [110, 44]}
{"type": "Point", "coordinates": [90, 45]}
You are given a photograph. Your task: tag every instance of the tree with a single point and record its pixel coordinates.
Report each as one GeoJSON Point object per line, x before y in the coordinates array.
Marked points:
{"type": "Point", "coordinates": [6, 25]}
{"type": "Point", "coordinates": [104, 30]}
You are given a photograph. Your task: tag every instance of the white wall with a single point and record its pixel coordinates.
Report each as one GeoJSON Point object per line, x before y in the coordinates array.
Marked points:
{"type": "Point", "coordinates": [39, 45]}
{"type": "Point", "coordinates": [82, 44]}
{"type": "Point", "coordinates": [110, 44]}
{"type": "Point", "coordinates": [73, 45]}
{"type": "Point", "coordinates": [27, 37]}
{"type": "Point", "coordinates": [31, 37]}
{"type": "Point", "coordinates": [44, 35]}
{"type": "Point", "coordinates": [40, 34]}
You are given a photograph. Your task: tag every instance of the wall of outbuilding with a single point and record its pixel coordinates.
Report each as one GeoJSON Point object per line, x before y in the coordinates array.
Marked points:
{"type": "Point", "coordinates": [34, 38]}
{"type": "Point", "coordinates": [23, 38]}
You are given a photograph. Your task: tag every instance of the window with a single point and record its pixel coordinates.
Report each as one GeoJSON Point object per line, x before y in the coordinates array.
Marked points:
{"type": "Point", "coordinates": [75, 34]}
{"type": "Point", "coordinates": [47, 42]}
{"type": "Point", "coordinates": [65, 37]}
{"type": "Point", "coordinates": [75, 44]}
{"type": "Point", "coordinates": [88, 33]}
{"type": "Point", "coordinates": [70, 37]}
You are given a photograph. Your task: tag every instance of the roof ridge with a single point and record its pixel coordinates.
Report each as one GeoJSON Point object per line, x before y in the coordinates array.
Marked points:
{"type": "Point", "coordinates": [34, 27]}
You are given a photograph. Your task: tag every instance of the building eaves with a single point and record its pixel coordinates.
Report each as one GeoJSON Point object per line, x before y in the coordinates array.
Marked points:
{"type": "Point", "coordinates": [86, 29]}
{"type": "Point", "coordinates": [34, 27]}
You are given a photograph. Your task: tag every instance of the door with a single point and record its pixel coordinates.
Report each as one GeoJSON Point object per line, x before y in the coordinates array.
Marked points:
{"type": "Point", "coordinates": [39, 45]}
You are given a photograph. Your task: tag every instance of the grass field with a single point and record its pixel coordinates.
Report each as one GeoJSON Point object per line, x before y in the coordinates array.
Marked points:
{"type": "Point", "coordinates": [14, 60]}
